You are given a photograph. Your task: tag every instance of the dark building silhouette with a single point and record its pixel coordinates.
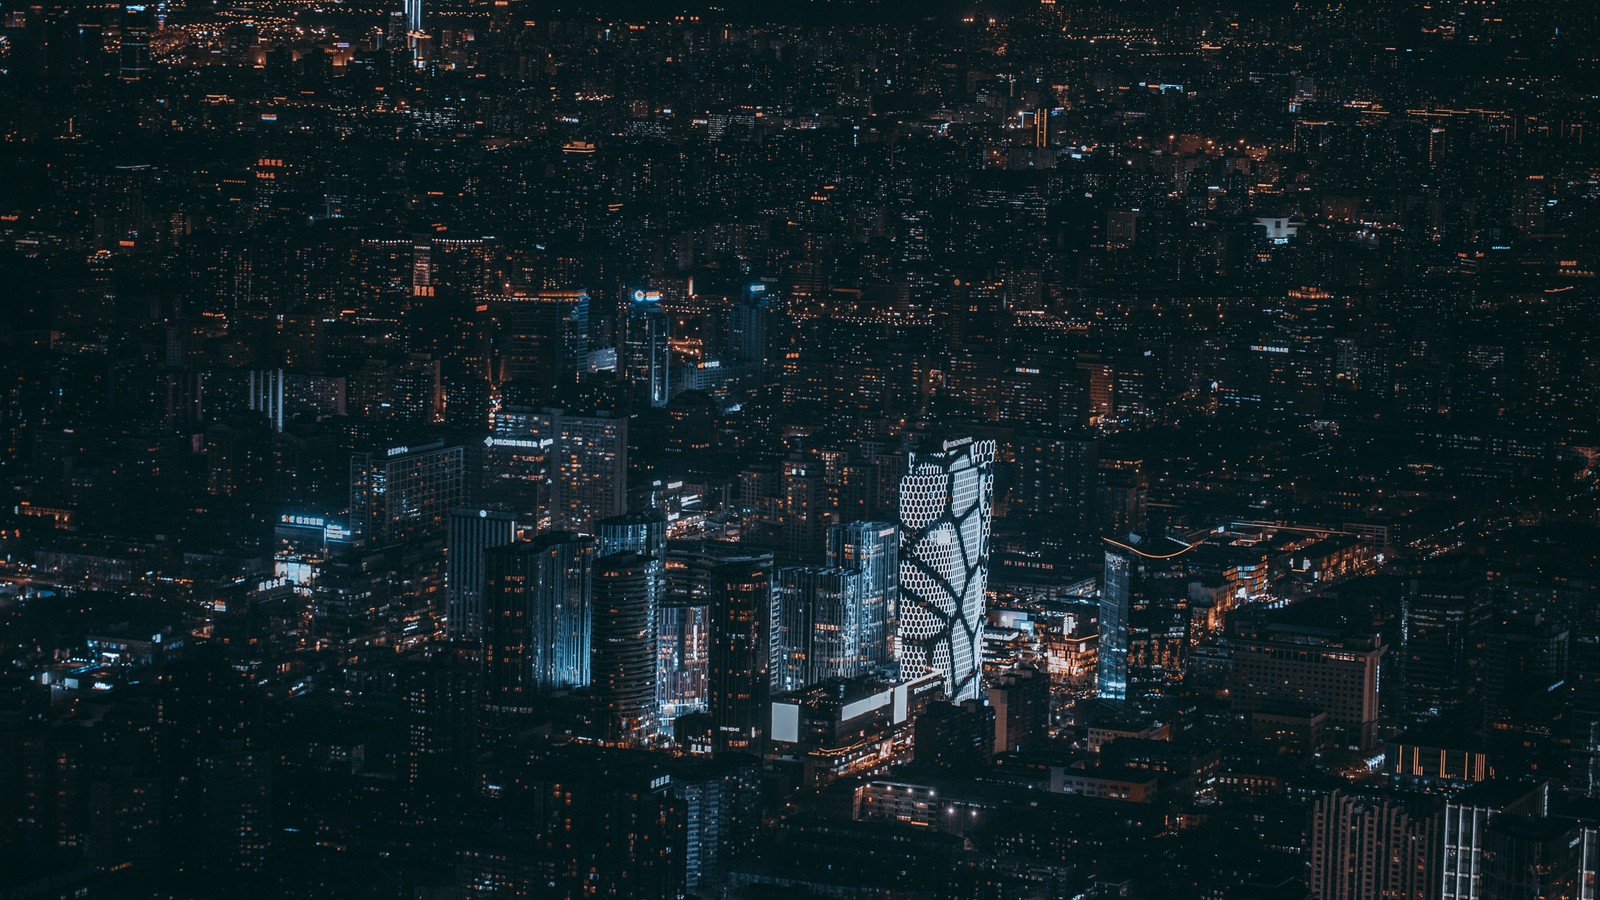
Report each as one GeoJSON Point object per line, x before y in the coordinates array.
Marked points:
{"type": "Point", "coordinates": [740, 658]}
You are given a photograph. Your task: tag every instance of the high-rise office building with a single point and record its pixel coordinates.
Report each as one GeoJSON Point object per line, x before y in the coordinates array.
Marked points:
{"type": "Point", "coordinates": [472, 533]}
{"type": "Point", "coordinates": [413, 10]}
{"type": "Point", "coordinates": [952, 736]}
{"type": "Point", "coordinates": [441, 697]}
{"type": "Point", "coordinates": [816, 629]}
{"type": "Point", "coordinates": [587, 458]}
{"type": "Point", "coordinates": [646, 353]}
{"type": "Point", "coordinates": [627, 590]}
{"type": "Point", "coordinates": [1143, 589]}
{"type": "Point", "coordinates": [546, 339]}
{"type": "Point", "coordinates": [946, 500]}
{"type": "Point", "coordinates": [686, 627]}
{"type": "Point", "coordinates": [134, 57]}
{"type": "Point", "coordinates": [645, 533]}
{"type": "Point", "coordinates": [1021, 701]}
{"type": "Point", "coordinates": [740, 659]}
{"type": "Point", "coordinates": [1444, 619]}
{"type": "Point", "coordinates": [403, 493]}
{"type": "Point", "coordinates": [611, 827]}
{"type": "Point", "coordinates": [722, 810]}
{"type": "Point", "coordinates": [873, 549]}
{"type": "Point", "coordinates": [1055, 490]}
{"type": "Point", "coordinates": [750, 328]}
{"type": "Point", "coordinates": [537, 623]}
{"type": "Point", "coordinates": [1467, 820]}
{"type": "Point", "coordinates": [1525, 663]}
{"type": "Point", "coordinates": [516, 476]}
{"type": "Point", "coordinates": [265, 395]}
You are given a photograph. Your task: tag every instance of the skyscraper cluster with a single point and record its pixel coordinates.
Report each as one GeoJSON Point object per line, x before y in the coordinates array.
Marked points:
{"type": "Point", "coordinates": [1038, 449]}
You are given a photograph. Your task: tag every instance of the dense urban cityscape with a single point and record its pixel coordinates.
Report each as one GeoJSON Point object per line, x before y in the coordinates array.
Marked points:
{"type": "Point", "coordinates": [459, 449]}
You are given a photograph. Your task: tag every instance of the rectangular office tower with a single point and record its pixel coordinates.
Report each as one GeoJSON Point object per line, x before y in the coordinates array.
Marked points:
{"type": "Point", "coordinates": [404, 493]}
{"type": "Point", "coordinates": [588, 462]}
{"type": "Point", "coordinates": [686, 627]}
{"type": "Point", "coordinates": [1145, 584]}
{"type": "Point", "coordinates": [645, 533]}
{"type": "Point", "coordinates": [545, 341]}
{"type": "Point", "coordinates": [872, 549]}
{"type": "Point", "coordinates": [741, 652]}
{"type": "Point", "coordinates": [537, 623]}
{"type": "Point", "coordinates": [816, 630]}
{"type": "Point", "coordinates": [646, 352]}
{"type": "Point", "coordinates": [473, 532]}
{"type": "Point", "coordinates": [946, 501]}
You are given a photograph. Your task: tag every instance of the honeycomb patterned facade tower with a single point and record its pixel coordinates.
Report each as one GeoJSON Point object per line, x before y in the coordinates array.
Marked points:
{"type": "Point", "coordinates": [946, 502]}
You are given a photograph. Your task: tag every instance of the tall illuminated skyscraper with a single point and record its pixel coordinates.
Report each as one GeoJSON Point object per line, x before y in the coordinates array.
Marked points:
{"type": "Point", "coordinates": [693, 573]}
{"type": "Point", "coordinates": [536, 617]}
{"type": "Point", "coordinates": [586, 458]}
{"type": "Point", "coordinates": [872, 549]}
{"type": "Point", "coordinates": [473, 532]}
{"type": "Point", "coordinates": [627, 589]}
{"type": "Point", "coordinates": [645, 533]}
{"type": "Point", "coordinates": [545, 341]}
{"type": "Point", "coordinates": [405, 493]}
{"type": "Point", "coordinates": [1145, 586]}
{"type": "Point", "coordinates": [816, 629]}
{"type": "Point", "coordinates": [413, 15]}
{"type": "Point", "coordinates": [946, 502]}
{"type": "Point", "coordinates": [646, 353]}
{"type": "Point", "coordinates": [1112, 661]}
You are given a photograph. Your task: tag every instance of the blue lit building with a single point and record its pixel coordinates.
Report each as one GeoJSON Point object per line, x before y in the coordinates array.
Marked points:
{"type": "Point", "coordinates": [873, 550]}
{"type": "Point", "coordinates": [537, 623]}
{"type": "Point", "coordinates": [647, 353]}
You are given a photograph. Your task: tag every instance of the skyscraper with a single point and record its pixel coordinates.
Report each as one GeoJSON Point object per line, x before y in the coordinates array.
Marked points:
{"type": "Point", "coordinates": [587, 459]}
{"type": "Point", "coordinates": [816, 630]}
{"type": "Point", "coordinates": [873, 549]}
{"type": "Point", "coordinates": [946, 500]}
{"type": "Point", "coordinates": [645, 533]}
{"type": "Point", "coordinates": [1143, 593]}
{"type": "Point", "coordinates": [750, 328]}
{"type": "Point", "coordinates": [1468, 817]}
{"type": "Point", "coordinates": [1444, 620]}
{"type": "Point", "coordinates": [472, 533]}
{"type": "Point", "coordinates": [546, 341]}
{"type": "Point", "coordinates": [1375, 844]}
{"type": "Point", "coordinates": [516, 474]}
{"type": "Point", "coordinates": [623, 660]}
{"type": "Point", "coordinates": [537, 622]}
{"type": "Point", "coordinates": [646, 353]}
{"type": "Point", "coordinates": [403, 493]}
{"type": "Point", "coordinates": [686, 626]}
{"type": "Point", "coordinates": [1111, 682]}
{"type": "Point", "coordinates": [1021, 701]}
{"type": "Point", "coordinates": [413, 15]}
{"type": "Point", "coordinates": [137, 23]}
{"type": "Point", "coordinates": [741, 651]}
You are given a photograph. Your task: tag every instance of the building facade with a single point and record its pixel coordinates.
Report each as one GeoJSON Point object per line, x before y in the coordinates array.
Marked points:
{"type": "Point", "coordinates": [946, 501]}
